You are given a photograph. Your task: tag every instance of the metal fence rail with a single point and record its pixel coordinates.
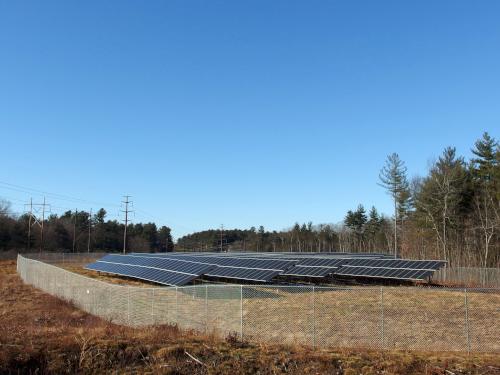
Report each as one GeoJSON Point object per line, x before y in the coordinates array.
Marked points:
{"type": "Point", "coordinates": [437, 319]}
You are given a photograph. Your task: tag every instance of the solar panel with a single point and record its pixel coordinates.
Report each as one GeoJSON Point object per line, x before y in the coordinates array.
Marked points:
{"type": "Point", "coordinates": [309, 271]}
{"type": "Point", "coordinates": [385, 273]}
{"type": "Point", "coordinates": [243, 274]}
{"type": "Point", "coordinates": [276, 255]}
{"type": "Point", "coordinates": [272, 264]}
{"type": "Point", "coordinates": [398, 263]}
{"type": "Point", "coordinates": [268, 264]}
{"type": "Point", "coordinates": [143, 273]}
{"type": "Point", "coordinates": [162, 263]}
{"type": "Point", "coordinates": [161, 270]}
{"type": "Point", "coordinates": [262, 270]}
{"type": "Point", "coordinates": [321, 262]}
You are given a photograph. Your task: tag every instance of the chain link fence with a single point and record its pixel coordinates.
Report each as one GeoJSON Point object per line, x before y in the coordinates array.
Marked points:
{"type": "Point", "coordinates": [470, 276]}
{"type": "Point", "coordinates": [407, 318]}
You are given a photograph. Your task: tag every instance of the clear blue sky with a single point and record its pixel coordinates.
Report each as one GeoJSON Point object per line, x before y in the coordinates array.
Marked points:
{"type": "Point", "coordinates": [238, 112]}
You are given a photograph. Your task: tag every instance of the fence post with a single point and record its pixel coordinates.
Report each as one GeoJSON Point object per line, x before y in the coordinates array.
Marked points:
{"type": "Point", "coordinates": [314, 316]}
{"type": "Point", "coordinates": [241, 312]}
{"type": "Point", "coordinates": [206, 308]}
{"type": "Point", "coordinates": [128, 306]}
{"type": "Point", "coordinates": [176, 307]}
{"type": "Point", "coordinates": [153, 307]}
{"type": "Point", "coordinates": [65, 286]}
{"type": "Point", "coordinates": [95, 309]}
{"type": "Point", "coordinates": [467, 329]}
{"type": "Point", "coordinates": [382, 325]}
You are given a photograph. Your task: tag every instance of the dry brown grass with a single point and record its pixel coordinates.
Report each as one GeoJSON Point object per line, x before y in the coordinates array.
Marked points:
{"type": "Point", "coordinates": [42, 334]}
{"type": "Point", "coordinates": [413, 318]}
{"type": "Point", "coordinates": [112, 279]}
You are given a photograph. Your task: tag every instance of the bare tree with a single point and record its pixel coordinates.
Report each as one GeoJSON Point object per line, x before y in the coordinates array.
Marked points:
{"type": "Point", "coordinates": [439, 195]}
{"type": "Point", "coordinates": [4, 207]}
{"type": "Point", "coordinates": [487, 212]}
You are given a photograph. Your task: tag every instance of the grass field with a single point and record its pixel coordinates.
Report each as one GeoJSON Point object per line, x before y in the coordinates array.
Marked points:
{"type": "Point", "coordinates": [42, 334]}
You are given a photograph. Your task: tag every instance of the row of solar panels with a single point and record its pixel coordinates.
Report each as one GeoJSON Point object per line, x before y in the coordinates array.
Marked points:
{"type": "Point", "coordinates": [182, 268]}
{"type": "Point", "coordinates": [284, 255]}
{"type": "Point", "coordinates": [318, 261]}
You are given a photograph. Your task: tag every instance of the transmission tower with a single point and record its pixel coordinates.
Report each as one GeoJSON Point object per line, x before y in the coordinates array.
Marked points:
{"type": "Point", "coordinates": [222, 238]}
{"type": "Point", "coordinates": [36, 216]}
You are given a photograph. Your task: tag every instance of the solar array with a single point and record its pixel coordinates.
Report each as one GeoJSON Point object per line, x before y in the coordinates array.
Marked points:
{"type": "Point", "coordinates": [385, 273]}
{"type": "Point", "coordinates": [144, 273]}
{"type": "Point", "coordinates": [366, 267]}
{"type": "Point", "coordinates": [182, 268]}
{"type": "Point", "coordinates": [250, 274]}
{"type": "Point", "coordinates": [160, 270]}
{"type": "Point", "coordinates": [239, 268]}
{"type": "Point", "coordinates": [398, 263]}
{"type": "Point", "coordinates": [302, 271]}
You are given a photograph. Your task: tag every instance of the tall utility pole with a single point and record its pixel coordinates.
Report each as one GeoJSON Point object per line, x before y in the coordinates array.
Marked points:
{"type": "Point", "coordinates": [221, 238]}
{"type": "Point", "coordinates": [74, 229]}
{"type": "Point", "coordinates": [126, 211]}
{"type": "Point", "coordinates": [29, 224]}
{"type": "Point", "coordinates": [41, 226]}
{"type": "Point", "coordinates": [90, 226]}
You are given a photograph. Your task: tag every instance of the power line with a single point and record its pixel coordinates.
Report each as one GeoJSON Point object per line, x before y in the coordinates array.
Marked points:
{"type": "Point", "coordinates": [5, 198]}
{"type": "Point", "coordinates": [62, 197]}
{"type": "Point", "coordinates": [52, 207]}
{"type": "Point", "coordinates": [68, 198]}
{"type": "Point", "coordinates": [23, 202]}
{"type": "Point", "coordinates": [56, 196]}
{"type": "Point", "coordinates": [167, 222]}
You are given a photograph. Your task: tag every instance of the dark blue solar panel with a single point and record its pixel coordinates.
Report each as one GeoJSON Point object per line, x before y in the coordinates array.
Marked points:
{"type": "Point", "coordinates": [321, 262]}
{"type": "Point", "coordinates": [243, 274]}
{"type": "Point", "coordinates": [385, 273]}
{"type": "Point", "coordinates": [398, 263]}
{"type": "Point", "coordinates": [163, 263]}
{"type": "Point", "coordinates": [309, 271]}
{"type": "Point", "coordinates": [143, 273]}
{"type": "Point", "coordinates": [265, 264]}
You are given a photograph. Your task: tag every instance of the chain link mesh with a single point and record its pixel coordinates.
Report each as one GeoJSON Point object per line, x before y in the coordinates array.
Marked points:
{"type": "Point", "coordinates": [408, 318]}
{"type": "Point", "coordinates": [470, 276]}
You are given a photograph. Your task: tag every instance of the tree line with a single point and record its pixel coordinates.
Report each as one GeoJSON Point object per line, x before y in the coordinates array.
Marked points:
{"type": "Point", "coordinates": [79, 231]}
{"type": "Point", "coordinates": [451, 213]}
